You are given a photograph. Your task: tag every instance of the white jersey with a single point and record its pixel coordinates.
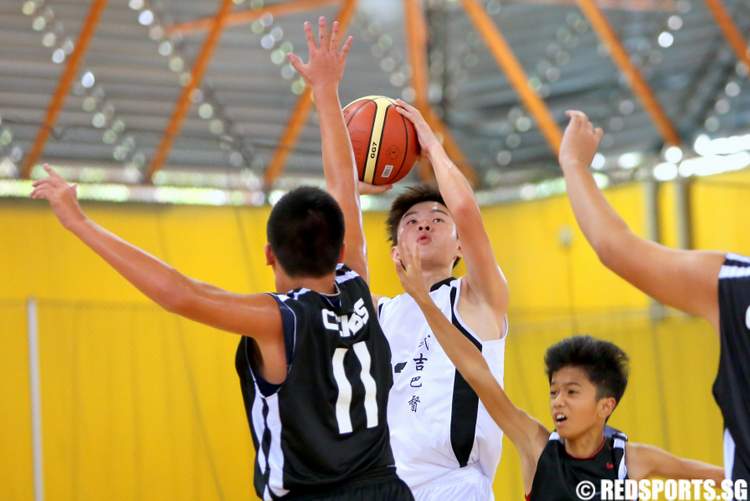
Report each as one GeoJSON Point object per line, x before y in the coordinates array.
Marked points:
{"type": "Point", "coordinates": [436, 421]}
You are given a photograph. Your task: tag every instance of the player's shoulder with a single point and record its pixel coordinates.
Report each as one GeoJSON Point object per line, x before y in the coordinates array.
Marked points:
{"type": "Point", "coordinates": [345, 274]}
{"type": "Point", "coordinates": [735, 266]}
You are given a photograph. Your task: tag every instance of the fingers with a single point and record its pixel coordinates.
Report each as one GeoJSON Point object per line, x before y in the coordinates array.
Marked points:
{"type": "Point", "coordinates": [334, 41]}
{"type": "Point", "coordinates": [309, 37]}
{"type": "Point", "coordinates": [406, 106]}
{"type": "Point", "coordinates": [372, 189]}
{"type": "Point", "coordinates": [579, 121]}
{"type": "Point", "coordinates": [47, 182]}
{"type": "Point", "coordinates": [347, 47]}
{"type": "Point", "coordinates": [40, 193]}
{"type": "Point", "coordinates": [405, 255]}
{"type": "Point", "coordinates": [297, 64]}
{"type": "Point", "coordinates": [52, 172]}
{"type": "Point", "coordinates": [323, 32]}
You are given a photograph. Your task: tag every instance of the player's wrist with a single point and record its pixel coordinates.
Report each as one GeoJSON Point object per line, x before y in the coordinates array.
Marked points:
{"type": "Point", "coordinates": [74, 223]}
{"type": "Point", "coordinates": [573, 165]}
{"type": "Point", "coordinates": [325, 91]}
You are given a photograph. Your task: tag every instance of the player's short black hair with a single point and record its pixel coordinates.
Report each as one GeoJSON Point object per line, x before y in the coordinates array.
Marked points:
{"type": "Point", "coordinates": [405, 201]}
{"type": "Point", "coordinates": [306, 231]}
{"type": "Point", "coordinates": [604, 363]}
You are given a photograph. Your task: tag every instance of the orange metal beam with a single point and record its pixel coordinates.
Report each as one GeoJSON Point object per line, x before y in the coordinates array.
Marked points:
{"type": "Point", "coordinates": [301, 111]}
{"type": "Point", "coordinates": [183, 103]}
{"type": "Point", "coordinates": [507, 61]}
{"type": "Point", "coordinates": [627, 5]}
{"type": "Point", "coordinates": [247, 16]}
{"type": "Point", "coordinates": [416, 36]}
{"type": "Point", "coordinates": [63, 86]}
{"type": "Point", "coordinates": [416, 39]}
{"type": "Point", "coordinates": [730, 29]}
{"type": "Point", "coordinates": [639, 85]}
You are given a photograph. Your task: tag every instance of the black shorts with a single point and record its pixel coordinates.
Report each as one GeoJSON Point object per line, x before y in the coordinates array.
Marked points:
{"type": "Point", "coordinates": [386, 487]}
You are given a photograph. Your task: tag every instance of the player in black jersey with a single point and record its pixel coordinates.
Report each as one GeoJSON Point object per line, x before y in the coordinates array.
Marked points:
{"type": "Point", "coordinates": [713, 285]}
{"type": "Point", "coordinates": [587, 380]}
{"type": "Point", "coordinates": [314, 365]}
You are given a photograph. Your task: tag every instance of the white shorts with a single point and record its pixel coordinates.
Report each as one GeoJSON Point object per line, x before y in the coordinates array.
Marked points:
{"type": "Point", "coordinates": [464, 484]}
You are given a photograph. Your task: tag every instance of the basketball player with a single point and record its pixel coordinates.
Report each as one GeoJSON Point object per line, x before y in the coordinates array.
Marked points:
{"type": "Point", "coordinates": [445, 444]}
{"type": "Point", "coordinates": [313, 363]}
{"type": "Point", "coordinates": [587, 380]}
{"type": "Point", "coordinates": [713, 285]}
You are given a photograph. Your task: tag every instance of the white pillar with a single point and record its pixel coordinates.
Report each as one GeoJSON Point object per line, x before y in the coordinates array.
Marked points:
{"type": "Point", "coordinates": [35, 394]}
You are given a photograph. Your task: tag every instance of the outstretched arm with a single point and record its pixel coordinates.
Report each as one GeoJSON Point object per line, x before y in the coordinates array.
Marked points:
{"type": "Point", "coordinates": [686, 280]}
{"type": "Point", "coordinates": [323, 73]}
{"type": "Point", "coordinates": [528, 434]}
{"type": "Point", "coordinates": [486, 281]}
{"type": "Point", "coordinates": [252, 315]}
{"type": "Point", "coordinates": [645, 461]}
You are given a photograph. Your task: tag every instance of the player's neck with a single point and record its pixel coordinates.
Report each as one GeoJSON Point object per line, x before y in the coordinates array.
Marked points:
{"type": "Point", "coordinates": [325, 284]}
{"type": "Point", "coordinates": [586, 445]}
{"type": "Point", "coordinates": [433, 276]}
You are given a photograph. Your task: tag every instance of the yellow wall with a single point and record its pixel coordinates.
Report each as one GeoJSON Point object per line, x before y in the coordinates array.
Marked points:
{"type": "Point", "coordinates": [138, 404]}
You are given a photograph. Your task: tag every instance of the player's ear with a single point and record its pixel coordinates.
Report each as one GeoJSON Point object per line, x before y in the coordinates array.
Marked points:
{"type": "Point", "coordinates": [606, 406]}
{"type": "Point", "coordinates": [395, 256]}
{"type": "Point", "coordinates": [270, 257]}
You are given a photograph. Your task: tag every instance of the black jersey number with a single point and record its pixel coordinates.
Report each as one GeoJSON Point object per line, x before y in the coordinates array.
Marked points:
{"type": "Point", "coordinates": [344, 399]}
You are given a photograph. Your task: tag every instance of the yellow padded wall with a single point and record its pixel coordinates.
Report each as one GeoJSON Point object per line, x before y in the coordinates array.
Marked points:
{"type": "Point", "coordinates": [138, 404]}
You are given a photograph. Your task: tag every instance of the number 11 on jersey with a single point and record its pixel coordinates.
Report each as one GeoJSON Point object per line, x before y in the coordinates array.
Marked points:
{"type": "Point", "coordinates": [344, 399]}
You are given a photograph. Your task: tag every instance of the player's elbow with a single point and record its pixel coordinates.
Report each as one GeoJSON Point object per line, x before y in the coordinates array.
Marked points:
{"type": "Point", "coordinates": [466, 209]}
{"type": "Point", "coordinates": [174, 294]}
{"type": "Point", "coordinates": [611, 246]}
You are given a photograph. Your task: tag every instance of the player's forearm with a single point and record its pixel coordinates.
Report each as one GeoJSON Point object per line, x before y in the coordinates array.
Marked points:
{"type": "Point", "coordinates": [340, 170]}
{"type": "Point", "coordinates": [521, 429]}
{"type": "Point", "coordinates": [156, 279]}
{"type": "Point", "coordinates": [601, 225]}
{"type": "Point", "coordinates": [464, 355]}
{"type": "Point", "coordinates": [453, 185]}
{"type": "Point", "coordinates": [338, 156]}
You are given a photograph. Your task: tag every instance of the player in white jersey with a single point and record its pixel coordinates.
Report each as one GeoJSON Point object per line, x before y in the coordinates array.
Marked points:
{"type": "Point", "coordinates": [445, 444]}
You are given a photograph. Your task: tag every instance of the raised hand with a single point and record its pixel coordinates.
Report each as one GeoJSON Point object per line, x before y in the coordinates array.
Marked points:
{"type": "Point", "coordinates": [61, 196]}
{"type": "Point", "coordinates": [326, 61]}
{"type": "Point", "coordinates": [428, 141]}
{"type": "Point", "coordinates": [409, 269]}
{"type": "Point", "coordinates": [580, 141]}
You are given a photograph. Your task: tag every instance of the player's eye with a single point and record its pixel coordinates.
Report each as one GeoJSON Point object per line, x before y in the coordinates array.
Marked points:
{"type": "Point", "coordinates": [553, 394]}
{"type": "Point", "coordinates": [410, 221]}
{"type": "Point", "coordinates": [437, 220]}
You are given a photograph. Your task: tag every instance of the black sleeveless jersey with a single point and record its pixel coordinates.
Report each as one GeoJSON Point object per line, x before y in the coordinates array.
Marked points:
{"type": "Point", "coordinates": [732, 385]}
{"type": "Point", "coordinates": [557, 473]}
{"type": "Point", "coordinates": [325, 425]}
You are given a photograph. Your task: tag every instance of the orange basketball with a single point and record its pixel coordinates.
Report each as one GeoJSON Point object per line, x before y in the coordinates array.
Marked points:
{"type": "Point", "coordinates": [385, 142]}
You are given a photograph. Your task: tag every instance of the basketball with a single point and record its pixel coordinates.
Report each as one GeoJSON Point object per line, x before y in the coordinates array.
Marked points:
{"type": "Point", "coordinates": [384, 142]}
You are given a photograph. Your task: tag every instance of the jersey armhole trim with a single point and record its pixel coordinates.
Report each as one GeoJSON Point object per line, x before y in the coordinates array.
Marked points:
{"type": "Point", "coordinates": [289, 329]}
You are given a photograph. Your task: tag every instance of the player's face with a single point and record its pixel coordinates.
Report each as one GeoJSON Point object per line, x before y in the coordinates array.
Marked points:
{"type": "Point", "coordinates": [574, 404]}
{"type": "Point", "coordinates": [432, 227]}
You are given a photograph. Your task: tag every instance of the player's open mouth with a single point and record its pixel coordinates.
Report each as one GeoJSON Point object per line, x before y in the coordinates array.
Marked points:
{"type": "Point", "coordinates": [424, 239]}
{"type": "Point", "coordinates": [559, 418]}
